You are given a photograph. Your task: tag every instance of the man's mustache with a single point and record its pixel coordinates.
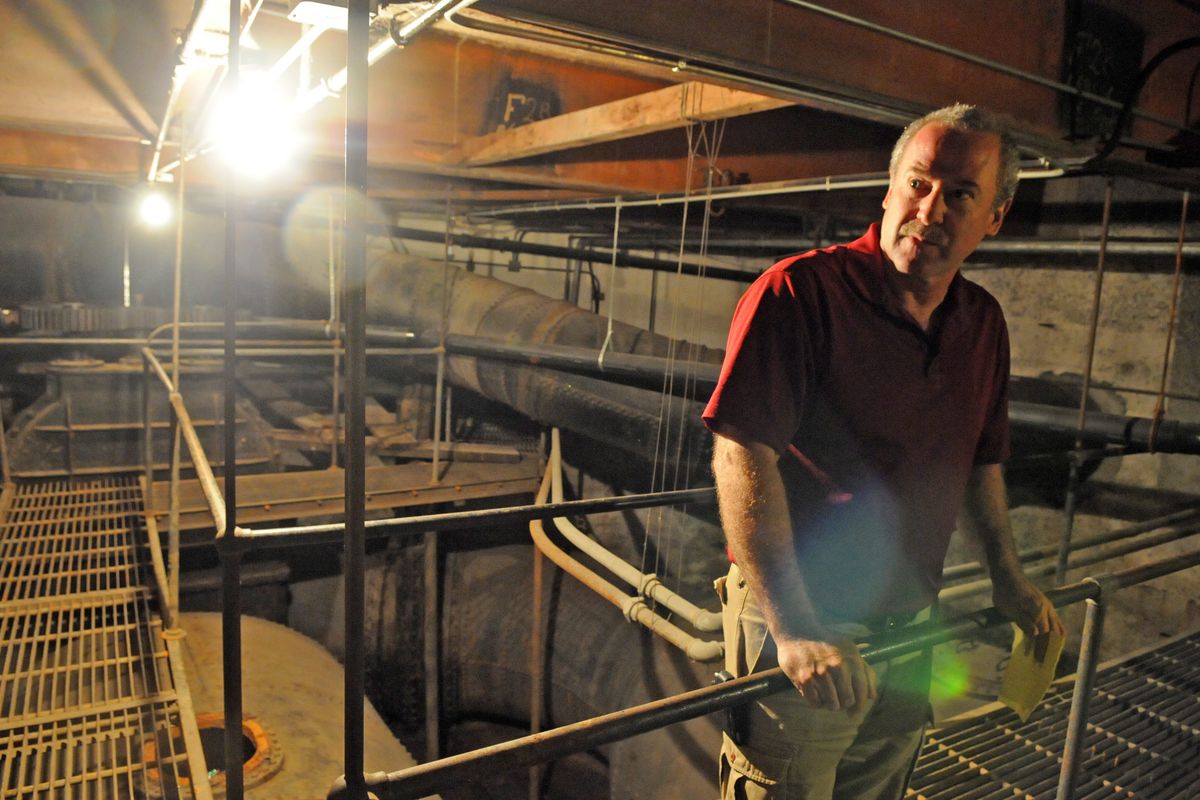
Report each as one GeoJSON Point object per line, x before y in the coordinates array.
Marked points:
{"type": "Point", "coordinates": [933, 234]}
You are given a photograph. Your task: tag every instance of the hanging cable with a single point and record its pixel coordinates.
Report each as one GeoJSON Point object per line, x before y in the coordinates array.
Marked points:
{"type": "Point", "coordinates": [1114, 138]}
{"type": "Point", "coordinates": [612, 285]}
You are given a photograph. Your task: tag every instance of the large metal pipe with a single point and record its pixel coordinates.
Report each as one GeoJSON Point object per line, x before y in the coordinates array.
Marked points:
{"type": "Point", "coordinates": [408, 291]}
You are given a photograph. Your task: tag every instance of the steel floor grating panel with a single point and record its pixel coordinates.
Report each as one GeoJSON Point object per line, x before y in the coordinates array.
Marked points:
{"type": "Point", "coordinates": [87, 703]}
{"type": "Point", "coordinates": [1142, 741]}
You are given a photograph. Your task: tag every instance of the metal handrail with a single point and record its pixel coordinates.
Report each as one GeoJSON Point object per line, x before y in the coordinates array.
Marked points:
{"type": "Point", "coordinates": [425, 779]}
{"type": "Point", "coordinates": [204, 473]}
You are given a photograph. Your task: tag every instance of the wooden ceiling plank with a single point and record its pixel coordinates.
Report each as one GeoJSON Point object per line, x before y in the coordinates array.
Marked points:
{"type": "Point", "coordinates": [663, 109]}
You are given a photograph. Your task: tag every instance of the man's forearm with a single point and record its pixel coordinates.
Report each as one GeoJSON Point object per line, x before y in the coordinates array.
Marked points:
{"type": "Point", "coordinates": [754, 514]}
{"type": "Point", "coordinates": [986, 518]}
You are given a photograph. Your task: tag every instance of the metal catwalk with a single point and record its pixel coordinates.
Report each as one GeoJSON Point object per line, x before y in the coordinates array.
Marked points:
{"type": "Point", "coordinates": [1142, 740]}
{"type": "Point", "coordinates": [88, 706]}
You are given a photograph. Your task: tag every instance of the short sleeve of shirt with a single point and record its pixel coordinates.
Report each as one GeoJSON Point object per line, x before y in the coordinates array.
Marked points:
{"type": "Point", "coordinates": [993, 447]}
{"type": "Point", "coordinates": [768, 364]}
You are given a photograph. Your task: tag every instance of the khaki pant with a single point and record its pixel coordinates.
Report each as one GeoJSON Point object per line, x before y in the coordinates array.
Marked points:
{"type": "Point", "coordinates": [780, 748]}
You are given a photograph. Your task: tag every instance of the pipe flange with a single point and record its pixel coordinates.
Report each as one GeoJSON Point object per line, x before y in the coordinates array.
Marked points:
{"type": "Point", "coordinates": [264, 762]}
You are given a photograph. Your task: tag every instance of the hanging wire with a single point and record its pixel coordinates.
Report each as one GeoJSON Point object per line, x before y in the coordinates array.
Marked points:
{"type": "Point", "coordinates": [700, 136]}
{"type": "Point", "coordinates": [612, 283]}
{"type": "Point", "coordinates": [1161, 402]}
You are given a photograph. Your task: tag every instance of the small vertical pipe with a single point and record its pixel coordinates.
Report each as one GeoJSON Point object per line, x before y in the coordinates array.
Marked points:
{"type": "Point", "coordinates": [449, 414]}
{"type": "Point", "coordinates": [69, 452]}
{"type": "Point", "coordinates": [536, 668]}
{"type": "Point", "coordinates": [177, 379]}
{"type": "Point", "coordinates": [147, 435]}
{"type": "Point", "coordinates": [653, 299]}
{"type": "Point", "coordinates": [432, 649]}
{"type": "Point", "coordinates": [5, 468]}
{"type": "Point", "coordinates": [1089, 653]}
{"type": "Point", "coordinates": [438, 389]}
{"type": "Point", "coordinates": [335, 325]}
{"type": "Point", "coordinates": [172, 599]}
{"type": "Point", "coordinates": [1064, 545]}
{"type": "Point", "coordinates": [354, 242]}
{"type": "Point", "coordinates": [126, 283]}
{"type": "Point", "coordinates": [228, 546]}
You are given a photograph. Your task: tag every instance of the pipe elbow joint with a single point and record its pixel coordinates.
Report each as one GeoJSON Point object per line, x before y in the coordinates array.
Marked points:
{"type": "Point", "coordinates": [705, 651]}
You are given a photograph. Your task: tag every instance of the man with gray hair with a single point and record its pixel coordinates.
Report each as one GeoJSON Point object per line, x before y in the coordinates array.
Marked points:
{"type": "Point", "coordinates": [861, 411]}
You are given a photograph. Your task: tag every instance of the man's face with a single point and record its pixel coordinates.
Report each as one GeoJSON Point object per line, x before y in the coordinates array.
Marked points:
{"type": "Point", "coordinates": [939, 206]}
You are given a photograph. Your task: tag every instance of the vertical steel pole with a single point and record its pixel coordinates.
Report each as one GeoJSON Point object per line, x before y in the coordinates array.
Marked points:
{"type": "Point", "coordinates": [177, 378]}
{"type": "Point", "coordinates": [1064, 545]}
{"type": "Point", "coordinates": [335, 329]}
{"type": "Point", "coordinates": [354, 242]}
{"type": "Point", "coordinates": [147, 436]}
{"type": "Point", "coordinates": [432, 649]}
{"type": "Point", "coordinates": [228, 546]}
{"type": "Point", "coordinates": [1089, 653]}
{"type": "Point", "coordinates": [536, 672]}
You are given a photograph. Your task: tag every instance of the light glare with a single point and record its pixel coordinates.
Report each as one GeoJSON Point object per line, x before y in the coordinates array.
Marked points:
{"type": "Point", "coordinates": [155, 209]}
{"type": "Point", "coordinates": [255, 128]}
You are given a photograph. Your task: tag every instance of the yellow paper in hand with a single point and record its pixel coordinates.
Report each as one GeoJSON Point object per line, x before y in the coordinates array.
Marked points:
{"type": "Point", "coordinates": [1026, 678]}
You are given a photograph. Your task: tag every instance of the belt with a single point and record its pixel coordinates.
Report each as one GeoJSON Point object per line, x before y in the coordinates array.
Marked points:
{"type": "Point", "coordinates": [892, 622]}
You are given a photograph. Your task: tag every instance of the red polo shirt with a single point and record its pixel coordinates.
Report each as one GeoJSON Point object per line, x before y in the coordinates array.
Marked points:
{"type": "Point", "coordinates": [878, 422]}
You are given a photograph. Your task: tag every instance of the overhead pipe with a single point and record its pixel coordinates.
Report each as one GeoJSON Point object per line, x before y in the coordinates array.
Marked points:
{"type": "Point", "coordinates": [407, 291]}
{"type": "Point", "coordinates": [179, 76]}
{"type": "Point", "coordinates": [987, 63]}
{"type": "Point", "coordinates": [592, 255]}
{"type": "Point", "coordinates": [829, 183]}
{"type": "Point", "coordinates": [336, 83]}
{"type": "Point", "coordinates": [633, 607]}
{"type": "Point", "coordinates": [647, 584]}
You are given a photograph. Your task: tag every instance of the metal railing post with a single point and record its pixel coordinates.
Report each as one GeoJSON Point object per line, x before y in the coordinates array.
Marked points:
{"type": "Point", "coordinates": [1089, 653]}
{"type": "Point", "coordinates": [228, 546]}
{"type": "Point", "coordinates": [354, 243]}
{"type": "Point", "coordinates": [1064, 549]}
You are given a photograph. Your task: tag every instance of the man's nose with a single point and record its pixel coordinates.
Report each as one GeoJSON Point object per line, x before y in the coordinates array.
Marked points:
{"type": "Point", "coordinates": [933, 207]}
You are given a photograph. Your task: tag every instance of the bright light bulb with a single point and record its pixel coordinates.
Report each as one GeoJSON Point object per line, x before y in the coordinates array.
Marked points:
{"type": "Point", "coordinates": [255, 128]}
{"type": "Point", "coordinates": [155, 209]}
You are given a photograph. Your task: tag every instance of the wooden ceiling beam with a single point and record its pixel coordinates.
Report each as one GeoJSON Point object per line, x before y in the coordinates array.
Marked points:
{"type": "Point", "coordinates": [659, 110]}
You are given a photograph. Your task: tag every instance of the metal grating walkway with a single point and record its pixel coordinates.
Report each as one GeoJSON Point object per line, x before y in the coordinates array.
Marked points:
{"type": "Point", "coordinates": [88, 707]}
{"type": "Point", "coordinates": [1143, 739]}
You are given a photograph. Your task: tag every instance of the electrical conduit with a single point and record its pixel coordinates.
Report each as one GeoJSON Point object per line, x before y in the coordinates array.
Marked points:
{"type": "Point", "coordinates": [634, 608]}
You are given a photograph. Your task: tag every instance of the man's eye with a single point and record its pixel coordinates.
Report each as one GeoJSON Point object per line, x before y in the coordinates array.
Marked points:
{"type": "Point", "coordinates": [914, 183]}
{"type": "Point", "coordinates": [963, 194]}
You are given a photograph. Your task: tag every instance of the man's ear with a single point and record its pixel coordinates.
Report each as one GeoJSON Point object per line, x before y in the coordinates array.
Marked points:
{"type": "Point", "coordinates": [998, 217]}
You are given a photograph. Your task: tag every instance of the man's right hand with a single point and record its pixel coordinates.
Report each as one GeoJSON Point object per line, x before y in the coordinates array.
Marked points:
{"type": "Point", "coordinates": [828, 671]}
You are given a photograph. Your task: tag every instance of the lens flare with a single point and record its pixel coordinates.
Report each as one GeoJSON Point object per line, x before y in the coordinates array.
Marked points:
{"type": "Point", "coordinates": [255, 129]}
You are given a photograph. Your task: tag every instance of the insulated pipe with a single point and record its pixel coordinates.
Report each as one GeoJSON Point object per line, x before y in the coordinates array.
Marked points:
{"type": "Point", "coordinates": [408, 291]}
{"type": "Point", "coordinates": [634, 608]}
{"type": "Point", "coordinates": [647, 584]}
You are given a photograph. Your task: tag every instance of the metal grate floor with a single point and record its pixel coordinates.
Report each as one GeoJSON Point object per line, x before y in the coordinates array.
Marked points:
{"type": "Point", "coordinates": [1143, 739]}
{"type": "Point", "coordinates": [87, 703]}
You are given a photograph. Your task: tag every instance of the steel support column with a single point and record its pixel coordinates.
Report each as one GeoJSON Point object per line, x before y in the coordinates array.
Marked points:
{"type": "Point", "coordinates": [354, 257]}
